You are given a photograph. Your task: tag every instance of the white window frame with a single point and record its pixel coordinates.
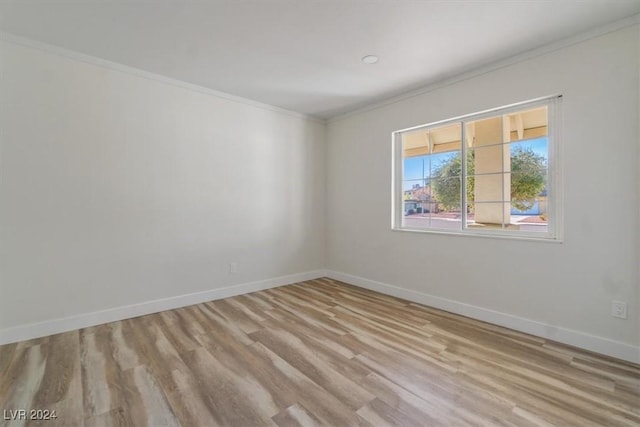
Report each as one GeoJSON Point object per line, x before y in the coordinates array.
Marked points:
{"type": "Point", "coordinates": [554, 174]}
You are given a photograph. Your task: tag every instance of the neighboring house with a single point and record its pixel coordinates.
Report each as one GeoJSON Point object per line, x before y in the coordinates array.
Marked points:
{"type": "Point", "coordinates": [418, 192]}
{"type": "Point", "coordinates": [418, 200]}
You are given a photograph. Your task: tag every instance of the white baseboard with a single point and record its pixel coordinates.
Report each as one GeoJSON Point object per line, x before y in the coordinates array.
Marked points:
{"type": "Point", "coordinates": [566, 336]}
{"type": "Point", "coordinates": [55, 326]}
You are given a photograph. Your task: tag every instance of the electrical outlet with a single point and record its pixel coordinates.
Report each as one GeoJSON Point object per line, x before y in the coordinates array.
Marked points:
{"type": "Point", "coordinates": [233, 267]}
{"type": "Point", "coordinates": [619, 309]}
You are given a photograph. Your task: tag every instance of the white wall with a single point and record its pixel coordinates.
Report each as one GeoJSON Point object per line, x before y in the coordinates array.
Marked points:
{"type": "Point", "coordinates": [567, 286]}
{"type": "Point", "coordinates": [117, 189]}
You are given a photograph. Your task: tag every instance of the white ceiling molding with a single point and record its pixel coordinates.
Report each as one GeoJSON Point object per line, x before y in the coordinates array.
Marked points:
{"type": "Point", "coordinates": [579, 38]}
{"type": "Point", "coordinates": [110, 65]}
{"type": "Point", "coordinates": [305, 55]}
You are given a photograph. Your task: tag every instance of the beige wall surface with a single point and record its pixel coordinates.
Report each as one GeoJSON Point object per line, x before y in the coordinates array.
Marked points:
{"type": "Point", "coordinates": [567, 285]}
{"type": "Point", "coordinates": [117, 189]}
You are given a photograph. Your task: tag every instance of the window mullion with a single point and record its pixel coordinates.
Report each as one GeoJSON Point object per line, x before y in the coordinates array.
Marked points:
{"type": "Point", "coordinates": [503, 173]}
{"type": "Point", "coordinates": [463, 183]}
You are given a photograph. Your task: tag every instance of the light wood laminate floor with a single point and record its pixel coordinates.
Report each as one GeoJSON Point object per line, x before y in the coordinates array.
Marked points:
{"type": "Point", "coordinates": [314, 353]}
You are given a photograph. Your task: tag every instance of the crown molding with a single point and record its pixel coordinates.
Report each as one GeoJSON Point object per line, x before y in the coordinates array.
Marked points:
{"type": "Point", "coordinates": [115, 66]}
{"type": "Point", "coordinates": [493, 66]}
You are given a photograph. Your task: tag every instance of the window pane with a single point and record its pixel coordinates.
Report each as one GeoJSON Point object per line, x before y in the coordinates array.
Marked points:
{"type": "Point", "coordinates": [417, 214]}
{"type": "Point", "coordinates": [529, 156]}
{"type": "Point", "coordinates": [446, 207]}
{"type": "Point", "coordinates": [445, 164]}
{"type": "Point", "coordinates": [410, 185]}
{"type": "Point", "coordinates": [533, 219]}
{"type": "Point", "coordinates": [428, 156]}
{"type": "Point", "coordinates": [417, 204]}
{"type": "Point", "coordinates": [446, 193]}
{"type": "Point", "coordinates": [416, 167]}
{"type": "Point", "coordinates": [484, 132]}
{"type": "Point", "coordinates": [528, 184]}
{"type": "Point", "coordinates": [535, 206]}
{"type": "Point", "coordinates": [527, 187]}
{"type": "Point", "coordinates": [534, 223]}
{"type": "Point", "coordinates": [526, 124]}
{"type": "Point", "coordinates": [539, 146]}
{"type": "Point", "coordinates": [489, 215]}
{"type": "Point", "coordinates": [487, 188]}
{"type": "Point", "coordinates": [416, 190]}
{"type": "Point", "coordinates": [415, 143]}
{"type": "Point", "coordinates": [444, 139]}
{"type": "Point", "coordinates": [491, 159]}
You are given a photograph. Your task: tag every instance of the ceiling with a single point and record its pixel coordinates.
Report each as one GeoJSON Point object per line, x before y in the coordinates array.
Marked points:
{"type": "Point", "coordinates": [305, 55]}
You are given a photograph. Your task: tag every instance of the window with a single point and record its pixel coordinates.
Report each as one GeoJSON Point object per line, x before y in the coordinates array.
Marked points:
{"type": "Point", "coordinates": [507, 185]}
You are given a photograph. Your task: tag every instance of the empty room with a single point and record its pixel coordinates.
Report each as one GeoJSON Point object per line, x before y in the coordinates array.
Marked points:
{"type": "Point", "coordinates": [320, 213]}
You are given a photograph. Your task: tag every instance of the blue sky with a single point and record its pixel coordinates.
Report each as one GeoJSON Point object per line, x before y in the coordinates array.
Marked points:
{"type": "Point", "coordinates": [414, 166]}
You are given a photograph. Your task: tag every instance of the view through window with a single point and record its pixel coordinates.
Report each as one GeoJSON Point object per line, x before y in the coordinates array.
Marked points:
{"type": "Point", "coordinates": [504, 186]}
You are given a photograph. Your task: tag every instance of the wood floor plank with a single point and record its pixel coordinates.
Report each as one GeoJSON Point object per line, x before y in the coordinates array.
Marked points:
{"type": "Point", "coordinates": [215, 320]}
{"type": "Point", "coordinates": [378, 338]}
{"type": "Point", "coordinates": [324, 406]}
{"type": "Point", "coordinates": [12, 368]}
{"type": "Point", "coordinates": [61, 386]}
{"type": "Point", "coordinates": [147, 404]}
{"type": "Point", "coordinates": [296, 416]}
{"type": "Point", "coordinates": [380, 414]}
{"type": "Point", "coordinates": [114, 418]}
{"type": "Point", "coordinates": [299, 355]}
{"type": "Point", "coordinates": [187, 401]}
{"type": "Point", "coordinates": [152, 346]}
{"type": "Point", "coordinates": [473, 408]}
{"type": "Point", "coordinates": [25, 384]}
{"type": "Point", "coordinates": [248, 308]}
{"type": "Point", "coordinates": [102, 379]}
{"type": "Point", "coordinates": [316, 353]}
{"type": "Point", "coordinates": [7, 353]}
{"type": "Point", "coordinates": [123, 342]}
{"type": "Point", "coordinates": [286, 321]}
{"type": "Point", "coordinates": [235, 315]}
{"type": "Point", "coordinates": [234, 399]}
{"type": "Point", "coordinates": [406, 402]}
{"type": "Point", "coordinates": [338, 356]}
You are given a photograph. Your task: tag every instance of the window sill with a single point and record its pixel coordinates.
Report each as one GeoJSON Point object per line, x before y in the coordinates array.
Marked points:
{"type": "Point", "coordinates": [485, 235]}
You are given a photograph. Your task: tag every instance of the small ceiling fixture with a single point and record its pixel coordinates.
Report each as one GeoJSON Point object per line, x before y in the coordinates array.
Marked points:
{"type": "Point", "coordinates": [370, 59]}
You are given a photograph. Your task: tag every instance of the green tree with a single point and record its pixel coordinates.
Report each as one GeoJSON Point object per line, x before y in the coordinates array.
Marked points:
{"type": "Point", "coordinates": [528, 179]}
{"type": "Point", "coordinates": [446, 186]}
